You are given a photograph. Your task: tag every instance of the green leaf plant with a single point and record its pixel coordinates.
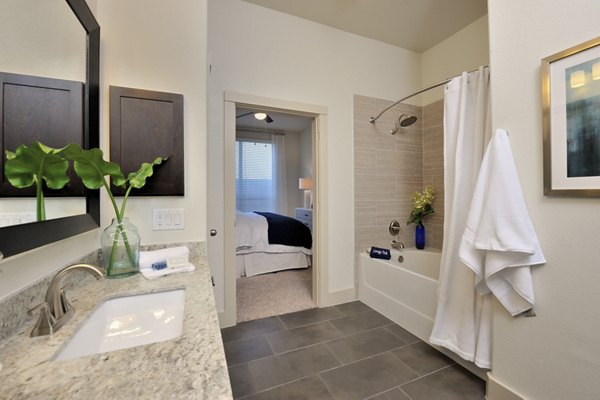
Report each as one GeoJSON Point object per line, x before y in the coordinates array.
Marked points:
{"type": "Point", "coordinates": [35, 165]}
{"type": "Point", "coordinates": [90, 166]}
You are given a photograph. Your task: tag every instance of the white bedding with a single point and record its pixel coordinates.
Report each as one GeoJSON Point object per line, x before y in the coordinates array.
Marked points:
{"type": "Point", "coordinates": [254, 253]}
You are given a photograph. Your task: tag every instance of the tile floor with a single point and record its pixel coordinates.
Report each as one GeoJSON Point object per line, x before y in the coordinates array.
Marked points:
{"type": "Point", "coordinates": [343, 352]}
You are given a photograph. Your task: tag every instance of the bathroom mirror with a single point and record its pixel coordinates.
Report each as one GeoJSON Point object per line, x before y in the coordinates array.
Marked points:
{"type": "Point", "coordinates": [24, 237]}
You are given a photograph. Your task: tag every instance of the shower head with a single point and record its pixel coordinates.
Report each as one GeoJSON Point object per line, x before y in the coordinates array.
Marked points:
{"type": "Point", "coordinates": [408, 121]}
{"type": "Point", "coordinates": [403, 121]}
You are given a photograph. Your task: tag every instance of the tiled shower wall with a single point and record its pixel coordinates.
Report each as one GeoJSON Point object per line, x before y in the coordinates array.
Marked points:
{"type": "Point", "coordinates": [388, 169]}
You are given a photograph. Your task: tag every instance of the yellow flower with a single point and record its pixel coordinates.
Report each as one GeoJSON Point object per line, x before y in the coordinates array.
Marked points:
{"type": "Point", "coordinates": [422, 205]}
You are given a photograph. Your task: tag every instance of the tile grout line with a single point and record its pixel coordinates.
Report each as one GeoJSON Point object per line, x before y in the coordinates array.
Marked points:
{"type": "Point", "coordinates": [426, 375]}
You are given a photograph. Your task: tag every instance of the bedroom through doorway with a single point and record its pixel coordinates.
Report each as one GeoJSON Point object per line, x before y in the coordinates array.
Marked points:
{"type": "Point", "coordinates": [274, 198]}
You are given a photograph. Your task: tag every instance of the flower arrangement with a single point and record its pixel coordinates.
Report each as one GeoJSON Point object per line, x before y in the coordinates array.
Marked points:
{"type": "Point", "coordinates": [422, 205]}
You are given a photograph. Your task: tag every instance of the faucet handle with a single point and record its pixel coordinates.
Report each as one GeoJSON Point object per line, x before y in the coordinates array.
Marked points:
{"type": "Point", "coordinates": [45, 323]}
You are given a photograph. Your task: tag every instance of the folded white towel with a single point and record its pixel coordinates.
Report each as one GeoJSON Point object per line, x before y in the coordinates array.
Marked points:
{"type": "Point", "coordinates": [499, 243]}
{"type": "Point", "coordinates": [149, 273]}
{"type": "Point", "coordinates": [147, 258]}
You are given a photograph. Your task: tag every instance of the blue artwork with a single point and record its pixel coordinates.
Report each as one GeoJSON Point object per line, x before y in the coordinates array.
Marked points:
{"type": "Point", "coordinates": [583, 119]}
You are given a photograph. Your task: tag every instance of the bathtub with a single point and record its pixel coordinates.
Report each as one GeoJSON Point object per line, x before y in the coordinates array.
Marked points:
{"type": "Point", "coordinates": [405, 291]}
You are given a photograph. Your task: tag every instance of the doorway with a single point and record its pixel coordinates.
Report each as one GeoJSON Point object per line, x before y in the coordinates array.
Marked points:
{"type": "Point", "coordinates": [273, 193]}
{"type": "Point", "coordinates": [317, 114]}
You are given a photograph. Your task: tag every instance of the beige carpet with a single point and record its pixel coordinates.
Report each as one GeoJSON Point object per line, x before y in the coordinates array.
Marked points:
{"type": "Point", "coordinates": [277, 293]}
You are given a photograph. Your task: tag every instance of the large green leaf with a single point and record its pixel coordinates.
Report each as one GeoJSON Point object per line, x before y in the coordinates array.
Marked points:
{"type": "Point", "coordinates": [90, 166]}
{"type": "Point", "coordinates": [28, 165]}
{"type": "Point", "coordinates": [138, 179]}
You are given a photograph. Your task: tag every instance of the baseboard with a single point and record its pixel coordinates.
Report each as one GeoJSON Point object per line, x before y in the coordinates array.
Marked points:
{"type": "Point", "coordinates": [338, 297]}
{"type": "Point", "coordinates": [499, 391]}
{"type": "Point", "coordinates": [225, 320]}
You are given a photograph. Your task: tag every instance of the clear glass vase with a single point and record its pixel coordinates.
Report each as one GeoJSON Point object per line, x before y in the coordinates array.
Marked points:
{"type": "Point", "coordinates": [120, 249]}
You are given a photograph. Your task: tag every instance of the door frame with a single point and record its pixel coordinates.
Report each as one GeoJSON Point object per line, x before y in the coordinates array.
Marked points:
{"type": "Point", "coordinates": [319, 125]}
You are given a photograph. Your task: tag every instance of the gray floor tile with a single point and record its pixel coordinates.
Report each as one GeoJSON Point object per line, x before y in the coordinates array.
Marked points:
{"type": "Point", "coordinates": [303, 336]}
{"type": "Point", "coordinates": [353, 307]}
{"type": "Point", "coordinates": [250, 329]}
{"type": "Point", "coordinates": [422, 358]}
{"type": "Point", "coordinates": [394, 394]}
{"type": "Point", "coordinates": [364, 344]}
{"type": "Point", "coordinates": [452, 383]}
{"type": "Point", "coordinates": [367, 377]}
{"type": "Point", "coordinates": [311, 316]}
{"type": "Point", "coordinates": [241, 381]}
{"type": "Point", "coordinates": [402, 333]}
{"type": "Point", "coordinates": [310, 388]}
{"type": "Point", "coordinates": [276, 370]}
{"type": "Point", "coordinates": [360, 322]}
{"type": "Point", "coordinates": [242, 351]}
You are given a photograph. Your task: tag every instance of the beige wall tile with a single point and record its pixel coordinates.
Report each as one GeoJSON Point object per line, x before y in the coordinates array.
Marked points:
{"type": "Point", "coordinates": [388, 169]}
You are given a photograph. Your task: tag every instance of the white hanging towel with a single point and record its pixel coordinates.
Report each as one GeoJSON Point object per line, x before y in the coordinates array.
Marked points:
{"type": "Point", "coordinates": [499, 243]}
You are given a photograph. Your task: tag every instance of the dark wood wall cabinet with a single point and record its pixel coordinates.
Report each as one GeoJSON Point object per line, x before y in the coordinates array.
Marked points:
{"type": "Point", "coordinates": [146, 124]}
{"type": "Point", "coordinates": [47, 110]}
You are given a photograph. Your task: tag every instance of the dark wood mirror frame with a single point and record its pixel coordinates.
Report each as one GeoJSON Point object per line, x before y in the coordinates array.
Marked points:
{"type": "Point", "coordinates": [21, 238]}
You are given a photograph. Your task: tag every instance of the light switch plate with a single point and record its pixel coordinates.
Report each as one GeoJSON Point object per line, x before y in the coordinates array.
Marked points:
{"type": "Point", "coordinates": [167, 219]}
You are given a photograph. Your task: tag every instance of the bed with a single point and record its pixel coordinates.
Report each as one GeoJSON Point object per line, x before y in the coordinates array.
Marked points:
{"type": "Point", "coordinates": [268, 242]}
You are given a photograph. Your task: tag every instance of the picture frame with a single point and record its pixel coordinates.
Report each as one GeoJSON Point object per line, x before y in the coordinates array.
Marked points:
{"type": "Point", "coordinates": [571, 121]}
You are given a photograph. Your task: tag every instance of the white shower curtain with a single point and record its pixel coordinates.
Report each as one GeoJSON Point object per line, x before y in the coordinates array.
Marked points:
{"type": "Point", "coordinates": [279, 174]}
{"type": "Point", "coordinates": [463, 317]}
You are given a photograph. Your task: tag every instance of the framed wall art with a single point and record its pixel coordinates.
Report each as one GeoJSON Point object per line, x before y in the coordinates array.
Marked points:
{"type": "Point", "coordinates": [571, 121]}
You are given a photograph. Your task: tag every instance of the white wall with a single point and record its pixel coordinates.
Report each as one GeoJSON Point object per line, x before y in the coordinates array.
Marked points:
{"type": "Point", "coordinates": [306, 169]}
{"type": "Point", "coordinates": [293, 158]}
{"type": "Point", "coordinates": [149, 44]}
{"type": "Point", "coordinates": [258, 51]}
{"type": "Point", "coordinates": [158, 45]}
{"type": "Point", "coordinates": [466, 50]}
{"type": "Point", "coordinates": [555, 355]}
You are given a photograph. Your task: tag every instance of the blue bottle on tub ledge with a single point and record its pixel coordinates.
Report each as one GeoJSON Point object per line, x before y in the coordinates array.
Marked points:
{"type": "Point", "coordinates": [420, 237]}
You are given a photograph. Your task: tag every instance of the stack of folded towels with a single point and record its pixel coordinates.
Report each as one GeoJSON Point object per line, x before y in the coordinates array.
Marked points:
{"type": "Point", "coordinates": [165, 262]}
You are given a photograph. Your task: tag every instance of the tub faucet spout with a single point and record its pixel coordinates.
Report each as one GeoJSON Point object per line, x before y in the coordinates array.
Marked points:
{"type": "Point", "coordinates": [397, 245]}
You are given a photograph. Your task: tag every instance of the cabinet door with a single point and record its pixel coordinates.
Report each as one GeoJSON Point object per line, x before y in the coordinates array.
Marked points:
{"type": "Point", "coordinates": [145, 124]}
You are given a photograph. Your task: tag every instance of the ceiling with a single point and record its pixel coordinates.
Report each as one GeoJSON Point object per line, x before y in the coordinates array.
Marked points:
{"type": "Point", "coordinates": [281, 122]}
{"type": "Point", "coordinates": [416, 25]}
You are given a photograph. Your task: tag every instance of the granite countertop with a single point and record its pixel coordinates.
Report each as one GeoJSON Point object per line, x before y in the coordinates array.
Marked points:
{"type": "Point", "coordinates": [191, 366]}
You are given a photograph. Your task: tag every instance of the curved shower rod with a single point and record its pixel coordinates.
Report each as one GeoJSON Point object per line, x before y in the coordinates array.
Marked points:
{"type": "Point", "coordinates": [373, 119]}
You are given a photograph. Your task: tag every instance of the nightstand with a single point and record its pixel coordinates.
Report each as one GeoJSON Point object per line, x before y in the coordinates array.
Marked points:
{"type": "Point", "coordinates": [304, 215]}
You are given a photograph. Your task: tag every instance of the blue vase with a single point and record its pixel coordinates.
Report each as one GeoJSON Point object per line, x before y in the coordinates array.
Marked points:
{"type": "Point", "coordinates": [420, 237]}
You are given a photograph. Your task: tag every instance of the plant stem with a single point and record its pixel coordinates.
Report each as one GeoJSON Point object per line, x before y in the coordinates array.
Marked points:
{"type": "Point", "coordinates": [120, 231]}
{"type": "Point", "coordinates": [39, 194]}
{"type": "Point", "coordinates": [40, 209]}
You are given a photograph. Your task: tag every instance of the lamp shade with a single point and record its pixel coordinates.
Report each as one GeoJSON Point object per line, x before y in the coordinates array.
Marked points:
{"type": "Point", "coordinates": [305, 183]}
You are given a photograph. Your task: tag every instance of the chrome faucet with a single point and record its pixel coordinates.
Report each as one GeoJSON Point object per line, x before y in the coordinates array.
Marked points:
{"type": "Point", "coordinates": [397, 245]}
{"type": "Point", "coordinates": [56, 310]}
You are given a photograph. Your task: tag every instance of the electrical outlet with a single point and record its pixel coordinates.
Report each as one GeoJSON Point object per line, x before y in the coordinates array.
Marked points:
{"type": "Point", "coordinates": [167, 219]}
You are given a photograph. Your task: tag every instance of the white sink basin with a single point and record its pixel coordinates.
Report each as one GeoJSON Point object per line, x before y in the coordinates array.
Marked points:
{"type": "Point", "coordinates": [128, 321]}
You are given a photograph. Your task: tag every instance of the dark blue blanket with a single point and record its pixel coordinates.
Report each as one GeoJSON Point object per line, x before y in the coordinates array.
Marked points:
{"type": "Point", "coordinates": [287, 231]}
